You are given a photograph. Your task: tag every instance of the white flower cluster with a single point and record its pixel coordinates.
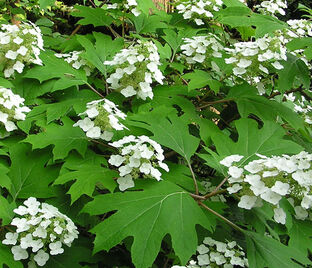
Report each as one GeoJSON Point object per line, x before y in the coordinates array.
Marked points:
{"type": "Point", "coordinates": [131, 5]}
{"type": "Point", "coordinates": [199, 48]}
{"type": "Point", "coordinates": [270, 179]}
{"type": "Point", "coordinates": [19, 46]}
{"type": "Point", "coordinates": [272, 7]}
{"type": "Point", "coordinates": [198, 9]}
{"type": "Point", "coordinates": [212, 253]}
{"type": "Point", "coordinates": [139, 157]}
{"type": "Point", "coordinates": [102, 117]}
{"type": "Point", "coordinates": [12, 109]}
{"type": "Point", "coordinates": [76, 61]}
{"type": "Point", "coordinates": [135, 69]}
{"type": "Point", "coordinates": [299, 28]}
{"type": "Point", "coordinates": [253, 59]}
{"type": "Point", "coordinates": [41, 228]}
{"type": "Point", "coordinates": [302, 107]}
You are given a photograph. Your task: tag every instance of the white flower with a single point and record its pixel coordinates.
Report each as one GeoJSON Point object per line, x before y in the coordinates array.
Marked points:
{"type": "Point", "coordinates": [280, 188]}
{"type": "Point", "coordinates": [234, 189]}
{"type": "Point", "coordinates": [228, 161]}
{"type": "Point", "coordinates": [277, 65]}
{"type": "Point", "coordinates": [41, 257]}
{"type": "Point", "coordinates": [279, 215]}
{"type": "Point", "coordinates": [306, 202]}
{"type": "Point", "coordinates": [56, 248]}
{"type": "Point", "coordinates": [94, 132]}
{"type": "Point", "coordinates": [92, 112]}
{"type": "Point", "coordinates": [19, 253]}
{"type": "Point", "coordinates": [125, 182]}
{"type": "Point", "coordinates": [247, 202]}
{"type": "Point", "coordinates": [11, 55]}
{"type": "Point", "coordinates": [116, 160]}
{"type": "Point", "coordinates": [203, 259]}
{"type": "Point", "coordinates": [202, 249]}
{"type": "Point", "coordinates": [235, 172]}
{"type": "Point", "coordinates": [22, 50]}
{"type": "Point", "coordinates": [271, 197]}
{"type": "Point", "coordinates": [10, 239]}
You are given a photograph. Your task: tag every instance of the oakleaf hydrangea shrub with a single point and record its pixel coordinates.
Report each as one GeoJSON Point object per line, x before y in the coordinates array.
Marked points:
{"type": "Point", "coordinates": [12, 109]}
{"type": "Point", "coordinates": [135, 69]}
{"type": "Point", "coordinates": [269, 179]}
{"type": "Point", "coordinates": [140, 157]}
{"type": "Point", "coordinates": [212, 254]}
{"type": "Point", "coordinates": [198, 10]}
{"type": "Point", "coordinates": [76, 61]}
{"type": "Point", "coordinates": [102, 117]}
{"type": "Point", "coordinates": [19, 46]}
{"type": "Point", "coordinates": [41, 231]}
{"type": "Point", "coordinates": [199, 48]}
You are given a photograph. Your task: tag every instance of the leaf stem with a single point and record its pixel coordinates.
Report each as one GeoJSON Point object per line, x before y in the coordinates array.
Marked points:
{"type": "Point", "coordinates": [193, 176]}
{"type": "Point", "coordinates": [236, 227]}
{"type": "Point", "coordinates": [94, 90]}
{"type": "Point", "coordinates": [214, 192]}
{"type": "Point", "coordinates": [214, 102]}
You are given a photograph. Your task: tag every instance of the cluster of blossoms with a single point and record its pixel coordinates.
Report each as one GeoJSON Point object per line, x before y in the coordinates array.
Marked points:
{"type": "Point", "coordinates": [139, 157]}
{"type": "Point", "coordinates": [213, 254]}
{"type": "Point", "coordinates": [199, 48]}
{"type": "Point", "coordinates": [19, 45]}
{"type": "Point", "coordinates": [301, 106]}
{"type": "Point", "coordinates": [198, 9]}
{"type": "Point", "coordinates": [131, 5]}
{"type": "Point", "coordinates": [76, 61]}
{"type": "Point", "coordinates": [41, 228]}
{"type": "Point", "coordinates": [102, 117]}
{"type": "Point", "coordinates": [135, 69]}
{"type": "Point", "coordinates": [253, 59]}
{"type": "Point", "coordinates": [270, 179]}
{"type": "Point", "coordinates": [272, 7]}
{"type": "Point", "coordinates": [299, 28]}
{"type": "Point", "coordinates": [12, 109]}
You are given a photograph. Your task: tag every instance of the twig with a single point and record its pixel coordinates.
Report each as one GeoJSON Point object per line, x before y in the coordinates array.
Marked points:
{"type": "Point", "coordinates": [286, 92]}
{"type": "Point", "coordinates": [213, 102]}
{"type": "Point", "coordinates": [92, 4]}
{"type": "Point", "coordinates": [103, 144]}
{"type": "Point", "coordinates": [74, 31]}
{"type": "Point", "coordinates": [94, 90]}
{"type": "Point", "coordinates": [221, 217]}
{"type": "Point", "coordinates": [193, 176]}
{"type": "Point", "coordinates": [216, 189]}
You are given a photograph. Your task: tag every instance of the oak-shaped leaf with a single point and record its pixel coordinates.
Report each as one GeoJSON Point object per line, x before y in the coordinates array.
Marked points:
{"type": "Point", "coordinates": [64, 138]}
{"type": "Point", "coordinates": [147, 216]}
{"type": "Point", "coordinates": [6, 258]}
{"type": "Point", "coordinates": [86, 177]}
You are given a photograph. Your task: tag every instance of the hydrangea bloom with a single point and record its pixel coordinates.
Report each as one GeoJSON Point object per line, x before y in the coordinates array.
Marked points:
{"type": "Point", "coordinates": [212, 253]}
{"type": "Point", "coordinates": [41, 231]}
{"type": "Point", "coordinates": [135, 69]}
{"type": "Point", "coordinates": [19, 46]}
{"type": "Point", "coordinates": [102, 117]}
{"type": "Point", "coordinates": [131, 5]}
{"type": "Point", "coordinates": [270, 179]}
{"type": "Point", "coordinates": [76, 61]}
{"type": "Point", "coordinates": [139, 157]}
{"type": "Point", "coordinates": [12, 109]}
{"type": "Point", "coordinates": [199, 48]}
{"type": "Point", "coordinates": [253, 59]}
{"type": "Point", "coordinates": [299, 28]}
{"type": "Point", "coordinates": [272, 7]}
{"type": "Point", "coordinates": [301, 106]}
{"type": "Point", "coordinates": [198, 9]}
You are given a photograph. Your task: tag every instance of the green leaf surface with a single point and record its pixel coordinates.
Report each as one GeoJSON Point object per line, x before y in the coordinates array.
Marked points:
{"type": "Point", "coordinates": [57, 68]}
{"type": "Point", "coordinates": [249, 102]}
{"type": "Point", "coordinates": [200, 79]}
{"type": "Point", "coordinates": [265, 251]}
{"type": "Point", "coordinates": [94, 16]}
{"type": "Point", "coordinates": [6, 258]}
{"type": "Point", "coordinates": [32, 177]}
{"type": "Point", "coordinates": [162, 208]}
{"type": "Point", "coordinates": [300, 236]}
{"type": "Point", "coordinates": [251, 140]}
{"type": "Point", "coordinates": [64, 138]}
{"type": "Point", "coordinates": [86, 181]}
{"type": "Point", "coordinates": [171, 131]}
{"type": "Point", "coordinates": [6, 210]}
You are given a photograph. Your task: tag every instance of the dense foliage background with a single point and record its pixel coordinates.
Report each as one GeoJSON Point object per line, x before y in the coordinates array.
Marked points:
{"type": "Point", "coordinates": [216, 97]}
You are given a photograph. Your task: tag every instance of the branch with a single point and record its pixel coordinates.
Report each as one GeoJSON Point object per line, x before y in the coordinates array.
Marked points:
{"type": "Point", "coordinates": [221, 217]}
{"type": "Point", "coordinates": [193, 176]}
{"type": "Point", "coordinates": [213, 102]}
{"type": "Point", "coordinates": [94, 90]}
{"type": "Point", "coordinates": [216, 190]}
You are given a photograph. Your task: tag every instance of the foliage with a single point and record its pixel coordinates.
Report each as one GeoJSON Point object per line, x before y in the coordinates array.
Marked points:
{"type": "Point", "coordinates": [152, 183]}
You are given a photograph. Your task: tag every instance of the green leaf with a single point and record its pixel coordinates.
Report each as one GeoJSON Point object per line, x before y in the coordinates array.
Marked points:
{"type": "Point", "coordinates": [45, 3]}
{"type": "Point", "coordinates": [6, 258]}
{"type": "Point", "coordinates": [171, 131]}
{"type": "Point", "coordinates": [162, 208]}
{"type": "Point", "coordinates": [148, 24]}
{"type": "Point", "coordinates": [251, 140]}
{"type": "Point", "coordinates": [85, 181]}
{"type": "Point", "coordinates": [300, 236]}
{"type": "Point", "coordinates": [94, 16]}
{"type": "Point", "coordinates": [6, 211]}
{"type": "Point", "coordinates": [64, 138]}
{"type": "Point", "coordinates": [264, 251]}
{"type": "Point", "coordinates": [57, 68]}
{"type": "Point", "coordinates": [29, 174]}
{"type": "Point", "coordinates": [200, 79]}
{"type": "Point", "coordinates": [249, 102]}
{"type": "Point", "coordinates": [294, 74]}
